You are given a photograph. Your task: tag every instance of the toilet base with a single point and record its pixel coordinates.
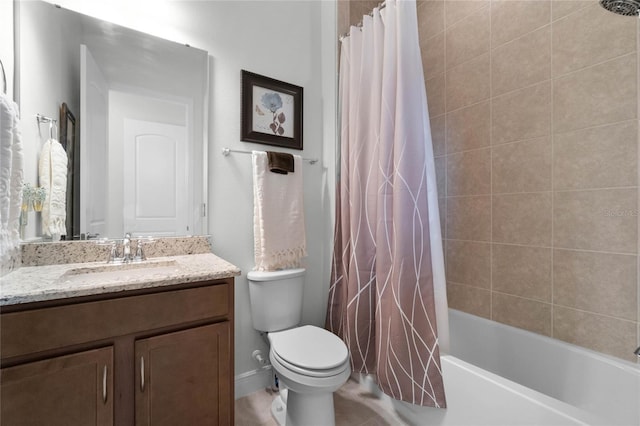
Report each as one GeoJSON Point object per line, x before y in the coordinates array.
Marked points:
{"type": "Point", "coordinates": [295, 409]}
{"type": "Point", "coordinates": [279, 408]}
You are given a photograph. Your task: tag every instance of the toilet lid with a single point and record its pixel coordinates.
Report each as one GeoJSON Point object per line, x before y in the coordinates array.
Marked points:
{"type": "Point", "coordinates": [309, 347]}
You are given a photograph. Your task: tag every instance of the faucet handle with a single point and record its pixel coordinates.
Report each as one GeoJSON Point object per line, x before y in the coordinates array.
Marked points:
{"type": "Point", "coordinates": [139, 252]}
{"type": "Point", "coordinates": [140, 243]}
{"type": "Point", "coordinates": [113, 248]}
{"type": "Point", "coordinates": [113, 253]}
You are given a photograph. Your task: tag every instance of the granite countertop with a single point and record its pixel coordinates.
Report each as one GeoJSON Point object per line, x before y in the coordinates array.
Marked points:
{"type": "Point", "coordinates": [51, 282]}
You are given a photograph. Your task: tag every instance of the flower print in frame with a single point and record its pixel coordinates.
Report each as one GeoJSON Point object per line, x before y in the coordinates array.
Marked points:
{"type": "Point", "coordinates": [271, 111]}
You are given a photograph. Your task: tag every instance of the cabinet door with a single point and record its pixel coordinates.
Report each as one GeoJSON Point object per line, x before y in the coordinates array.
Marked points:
{"type": "Point", "coordinates": [74, 389]}
{"type": "Point", "coordinates": [183, 378]}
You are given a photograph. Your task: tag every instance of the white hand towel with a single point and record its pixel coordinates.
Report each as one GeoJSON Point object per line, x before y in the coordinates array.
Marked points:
{"type": "Point", "coordinates": [11, 175]}
{"type": "Point", "coordinates": [52, 171]}
{"type": "Point", "coordinates": [17, 179]}
{"type": "Point", "coordinates": [6, 140]}
{"type": "Point", "coordinates": [278, 216]}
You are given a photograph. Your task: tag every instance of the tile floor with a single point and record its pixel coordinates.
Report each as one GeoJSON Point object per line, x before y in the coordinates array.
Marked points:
{"type": "Point", "coordinates": [353, 405]}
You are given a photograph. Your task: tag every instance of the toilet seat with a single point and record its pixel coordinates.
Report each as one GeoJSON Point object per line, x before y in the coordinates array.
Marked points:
{"type": "Point", "coordinates": [310, 351]}
{"type": "Point", "coordinates": [309, 372]}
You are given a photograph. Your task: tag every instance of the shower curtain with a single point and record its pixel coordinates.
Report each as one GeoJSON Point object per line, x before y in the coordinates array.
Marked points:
{"type": "Point", "coordinates": [388, 283]}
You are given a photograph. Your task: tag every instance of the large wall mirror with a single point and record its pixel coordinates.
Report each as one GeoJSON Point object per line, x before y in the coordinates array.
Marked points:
{"type": "Point", "coordinates": [138, 153]}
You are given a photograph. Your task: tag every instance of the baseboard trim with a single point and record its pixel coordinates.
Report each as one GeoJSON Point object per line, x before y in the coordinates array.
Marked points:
{"type": "Point", "coordinates": [252, 381]}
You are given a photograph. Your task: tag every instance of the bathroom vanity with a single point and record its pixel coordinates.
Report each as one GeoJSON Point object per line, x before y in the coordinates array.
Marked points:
{"type": "Point", "coordinates": [91, 344]}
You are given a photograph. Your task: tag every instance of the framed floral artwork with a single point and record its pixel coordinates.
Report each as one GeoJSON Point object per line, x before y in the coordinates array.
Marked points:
{"type": "Point", "coordinates": [271, 111]}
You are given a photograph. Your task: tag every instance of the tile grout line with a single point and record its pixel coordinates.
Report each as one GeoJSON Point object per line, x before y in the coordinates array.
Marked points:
{"type": "Point", "coordinates": [446, 140]}
{"type": "Point", "coordinates": [580, 9]}
{"type": "Point", "coordinates": [520, 37]}
{"type": "Point", "coordinates": [545, 302]}
{"type": "Point", "coordinates": [535, 138]}
{"type": "Point", "coordinates": [638, 182]}
{"type": "Point", "coordinates": [491, 315]}
{"type": "Point", "coordinates": [579, 250]}
{"type": "Point", "coordinates": [528, 86]}
{"type": "Point", "coordinates": [549, 191]}
{"type": "Point", "coordinates": [597, 126]}
{"type": "Point", "coordinates": [472, 15]}
{"type": "Point", "coordinates": [551, 21]}
{"type": "Point", "coordinates": [463, 17]}
{"type": "Point", "coordinates": [614, 58]}
{"type": "Point", "coordinates": [552, 121]}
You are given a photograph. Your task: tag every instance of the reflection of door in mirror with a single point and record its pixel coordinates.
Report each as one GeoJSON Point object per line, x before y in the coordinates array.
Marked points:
{"type": "Point", "coordinates": [154, 169]}
{"type": "Point", "coordinates": [137, 155]}
{"type": "Point", "coordinates": [149, 154]}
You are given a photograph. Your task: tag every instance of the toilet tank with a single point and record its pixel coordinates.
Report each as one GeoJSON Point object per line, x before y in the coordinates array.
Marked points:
{"type": "Point", "coordinates": [276, 298]}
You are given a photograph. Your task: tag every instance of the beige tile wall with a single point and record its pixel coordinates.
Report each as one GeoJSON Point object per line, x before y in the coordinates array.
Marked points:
{"type": "Point", "coordinates": [533, 107]}
{"type": "Point", "coordinates": [534, 118]}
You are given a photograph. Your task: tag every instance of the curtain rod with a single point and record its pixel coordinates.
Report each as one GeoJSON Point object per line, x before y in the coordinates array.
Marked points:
{"type": "Point", "coordinates": [227, 151]}
{"type": "Point", "coordinates": [359, 24]}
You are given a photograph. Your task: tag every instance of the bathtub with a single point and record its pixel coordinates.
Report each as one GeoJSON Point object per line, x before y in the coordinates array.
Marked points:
{"type": "Point", "coordinates": [501, 375]}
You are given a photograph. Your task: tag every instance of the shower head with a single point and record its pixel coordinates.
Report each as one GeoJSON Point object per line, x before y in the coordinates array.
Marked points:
{"type": "Point", "coordinates": [622, 7]}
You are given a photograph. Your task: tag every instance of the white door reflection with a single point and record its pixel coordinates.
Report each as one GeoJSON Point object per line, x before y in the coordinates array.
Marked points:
{"type": "Point", "coordinates": [154, 171]}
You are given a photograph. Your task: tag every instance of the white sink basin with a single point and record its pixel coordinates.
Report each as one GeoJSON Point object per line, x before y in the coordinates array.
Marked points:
{"type": "Point", "coordinates": [116, 267]}
{"type": "Point", "coordinates": [118, 274]}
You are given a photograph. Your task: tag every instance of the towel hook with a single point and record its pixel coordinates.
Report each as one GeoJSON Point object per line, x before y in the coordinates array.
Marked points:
{"type": "Point", "coordinates": [52, 124]}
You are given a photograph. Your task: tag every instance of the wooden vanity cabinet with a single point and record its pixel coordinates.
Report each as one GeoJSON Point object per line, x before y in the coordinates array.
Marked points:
{"type": "Point", "coordinates": [74, 389]}
{"type": "Point", "coordinates": [179, 375]}
{"type": "Point", "coordinates": [161, 356]}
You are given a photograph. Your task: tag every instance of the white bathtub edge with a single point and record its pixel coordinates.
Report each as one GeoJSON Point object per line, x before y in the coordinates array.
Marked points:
{"type": "Point", "coordinates": [601, 385]}
{"type": "Point", "coordinates": [562, 409]}
{"type": "Point", "coordinates": [632, 367]}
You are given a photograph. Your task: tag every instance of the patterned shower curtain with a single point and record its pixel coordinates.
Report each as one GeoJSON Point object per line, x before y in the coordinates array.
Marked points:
{"type": "Point", "coordinates": [388, 283]}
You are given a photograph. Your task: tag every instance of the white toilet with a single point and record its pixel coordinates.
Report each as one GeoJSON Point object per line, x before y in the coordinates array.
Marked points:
{"type": "Point", "coordinates": [309, 361]}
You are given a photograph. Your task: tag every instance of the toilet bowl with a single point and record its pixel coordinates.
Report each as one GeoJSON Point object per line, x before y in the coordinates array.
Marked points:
{"type": "Point", "coordinates": [310, 362]}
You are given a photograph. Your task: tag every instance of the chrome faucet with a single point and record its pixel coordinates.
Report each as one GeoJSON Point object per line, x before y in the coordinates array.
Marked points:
{"type": "Point", "coordinates": [637, 351]}
{"type": "Point", "coordinates": [127, 256]}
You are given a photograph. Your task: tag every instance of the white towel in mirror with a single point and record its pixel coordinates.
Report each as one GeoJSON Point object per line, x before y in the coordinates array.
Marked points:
{"type": "Point", "coordinates": [52, 171]}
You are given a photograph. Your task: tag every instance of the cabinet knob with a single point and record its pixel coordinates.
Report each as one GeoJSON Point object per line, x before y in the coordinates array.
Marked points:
{"type": "Point", "coordinates": [104, 384]}
{"type": "Point", "coordinates": [142, 374]}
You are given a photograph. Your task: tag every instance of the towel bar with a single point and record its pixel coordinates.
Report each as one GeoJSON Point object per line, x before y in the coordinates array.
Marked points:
{"type": "Point", "coordinates": [227, 151]}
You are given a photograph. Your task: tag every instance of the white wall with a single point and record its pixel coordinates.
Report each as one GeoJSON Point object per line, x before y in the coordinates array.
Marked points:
{"type": "Point", "coordinates": [293, 41]}
{"type": "Point", "coordinates": [6, 42]}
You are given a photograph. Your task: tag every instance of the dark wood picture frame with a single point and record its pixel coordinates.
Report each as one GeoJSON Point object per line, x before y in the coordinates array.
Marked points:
{"type": "Point", "coordinates": [70, 143]}
{"type": "Point", "coordinates": [273, 118]}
